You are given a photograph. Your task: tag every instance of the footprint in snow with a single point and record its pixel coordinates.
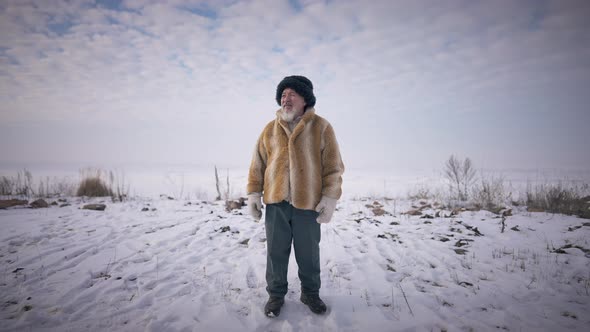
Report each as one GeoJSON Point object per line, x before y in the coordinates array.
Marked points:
{"type": "Point", "coordinates": [251, 279]}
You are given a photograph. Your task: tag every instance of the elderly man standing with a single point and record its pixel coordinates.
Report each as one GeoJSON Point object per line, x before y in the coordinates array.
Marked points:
{"type": "Point", "coordinates": [297, 170]}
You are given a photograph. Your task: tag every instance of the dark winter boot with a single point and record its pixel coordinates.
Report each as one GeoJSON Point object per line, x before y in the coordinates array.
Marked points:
{"type": "Point", "coordinates": [315, 304]}
{"type": "Point", "coordinates": [273, 306]}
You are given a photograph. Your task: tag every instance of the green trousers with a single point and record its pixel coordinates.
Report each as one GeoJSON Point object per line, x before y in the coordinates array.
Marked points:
{"type": "Point", "coordinates": [286, 224]}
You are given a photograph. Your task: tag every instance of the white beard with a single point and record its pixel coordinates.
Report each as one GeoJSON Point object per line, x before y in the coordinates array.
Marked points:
{"type": "Point", "coordinates": [289, 117]}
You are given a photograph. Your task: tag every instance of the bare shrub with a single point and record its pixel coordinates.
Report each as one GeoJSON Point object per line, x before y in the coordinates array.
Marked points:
{"type": "Point", "coordinates": [6, 185]}
{"type": "Point", "coordinates": [53, 186]}
{"type": "Point", "coordinates": [43, 187]}
{"type": "Point", "coordinates": [23, 184]}
{"type": "Point", "coordinates": [559, 198]}
{"type": "Point", "coordinates": [92, 184]}
{"type": "Point", "coordinates": [420, 192]}
{"type": "Point", "coordinates": [460, 176]}
{"type": "Point", "coordinates": [117, 181]}
{"type": "Point", "coordinates": [63, 187]}
{"type": "Point", "coordinates": [489, 192]}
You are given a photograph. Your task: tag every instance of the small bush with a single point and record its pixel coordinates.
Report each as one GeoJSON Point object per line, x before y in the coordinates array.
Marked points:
{"type": "Point", "coordinates": [6, 185]}
{"type": "Point", "coordinates": [92, 184]}
{"type": "Point", "coordinates": [420, 192]}
{"type": "Point", "coordinates": [21, 185]}
{"type": "Point", "coordinates": [489, 193]}
{"type": "Point", "coordinates": [460, 177]}
{"type": "Point", "coordinates": [93, 187]}
{"type": "Point", "coordinates": [55, 187]}
{"type": "Point", "coordinates": [559, 198]}
{"type": "Point", "coordinates": [63, 187]}
{"type": "Point", "coordinates": [118, 181]}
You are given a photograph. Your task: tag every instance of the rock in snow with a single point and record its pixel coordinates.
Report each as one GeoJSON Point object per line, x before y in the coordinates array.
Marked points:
{"type": "Point", "coordinates": [95, 207]}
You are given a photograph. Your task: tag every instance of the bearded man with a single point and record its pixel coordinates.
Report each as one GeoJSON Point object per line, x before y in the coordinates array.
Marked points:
{"type": "Point", "coordinates": [297, 171]}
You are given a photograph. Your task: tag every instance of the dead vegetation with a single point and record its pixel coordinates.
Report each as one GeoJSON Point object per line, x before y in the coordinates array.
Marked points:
{"type": "Point", "coordinates": [559, 198]}
{"type": "Point", "coordinates": [24, 185]}
{"type": "Point", "coordinates": [460, 176]}
{"type": "Point", "coordinates": [92, 184]}
{"type": "Point", "coordinates": [490, 192]}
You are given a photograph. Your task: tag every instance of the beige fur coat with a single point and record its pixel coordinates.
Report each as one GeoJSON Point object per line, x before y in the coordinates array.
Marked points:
{"type": "Point", "coordinates": [301, 167]}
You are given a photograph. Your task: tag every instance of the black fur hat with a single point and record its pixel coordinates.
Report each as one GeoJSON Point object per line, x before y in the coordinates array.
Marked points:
{"type": "Point", "coordinates": [301, 84]}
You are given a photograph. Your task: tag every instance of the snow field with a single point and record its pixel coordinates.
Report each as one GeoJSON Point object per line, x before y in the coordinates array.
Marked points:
{"type": "Point", "coordinates": [192, 266]}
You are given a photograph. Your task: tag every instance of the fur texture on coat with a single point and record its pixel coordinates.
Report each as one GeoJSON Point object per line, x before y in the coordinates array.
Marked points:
{"type": "Point", "coordinates": [301, 167]}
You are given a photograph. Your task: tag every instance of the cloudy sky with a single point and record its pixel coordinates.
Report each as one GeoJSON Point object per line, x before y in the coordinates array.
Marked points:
{"type": "Point", "coordinates": [404, 83]}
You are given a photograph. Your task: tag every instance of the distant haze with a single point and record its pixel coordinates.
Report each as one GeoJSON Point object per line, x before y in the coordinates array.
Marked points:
{"type": "Point", "coordinates": [404, 83]}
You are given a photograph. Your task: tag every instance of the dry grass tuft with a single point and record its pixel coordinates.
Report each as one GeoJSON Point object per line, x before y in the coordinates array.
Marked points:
{"type": "Point", "coordinates": [560, 198]}
{"type": "Point", "coordinates": [92, 184]}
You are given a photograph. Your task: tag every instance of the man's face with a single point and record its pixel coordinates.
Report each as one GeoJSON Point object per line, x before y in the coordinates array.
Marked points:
{"type": "Point", "coordinates": [292, 103]}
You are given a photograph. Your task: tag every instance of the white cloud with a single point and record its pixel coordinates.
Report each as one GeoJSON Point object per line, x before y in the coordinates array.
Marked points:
{"type": "Point", "coordinates": [213, 66]}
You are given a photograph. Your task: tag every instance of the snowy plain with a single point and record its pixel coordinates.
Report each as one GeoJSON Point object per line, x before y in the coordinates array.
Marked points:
{"type": "Point", "coordinates": [186, 264]}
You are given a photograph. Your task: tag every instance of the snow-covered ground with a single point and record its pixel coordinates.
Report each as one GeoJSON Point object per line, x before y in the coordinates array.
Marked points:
{"type": "Point", "coordinates": [188, 265]}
